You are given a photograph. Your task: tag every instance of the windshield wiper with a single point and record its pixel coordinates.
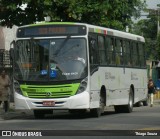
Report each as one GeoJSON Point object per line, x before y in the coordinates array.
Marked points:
{"type": "Point", "coordinates": [62, 45]}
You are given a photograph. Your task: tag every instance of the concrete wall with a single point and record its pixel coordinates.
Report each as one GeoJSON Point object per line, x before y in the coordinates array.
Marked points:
{"type": "Point", "coordinates": [7, 35]}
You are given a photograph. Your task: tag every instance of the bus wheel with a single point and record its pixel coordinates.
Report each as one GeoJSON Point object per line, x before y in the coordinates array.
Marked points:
{"type": "Point", "coordinates": [98, 111]}
{"type": "Point", "coordinates": [125, 108]}
{"type": "Point", "coordinates": [129, 107]}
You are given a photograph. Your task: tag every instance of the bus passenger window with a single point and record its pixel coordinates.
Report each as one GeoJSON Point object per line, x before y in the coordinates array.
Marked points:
{"type": "Point", "coordinates": [101, 47]}
{"type": "Point", "coordinates": [127, 53]}
{"type": "Point", "coordinates": [93, 52]}
{"type": "Point", "coordinates": [135, 54]}
{"type": "Point", "coordinates": [118, 52]}
{"type": "Point", "coordinates": [110, 51]}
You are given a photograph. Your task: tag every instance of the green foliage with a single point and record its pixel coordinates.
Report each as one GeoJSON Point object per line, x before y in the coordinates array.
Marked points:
{"type": "Point", "coordinates": [148, 29]}
{"type": "Point", "coordinates": [111, 13]}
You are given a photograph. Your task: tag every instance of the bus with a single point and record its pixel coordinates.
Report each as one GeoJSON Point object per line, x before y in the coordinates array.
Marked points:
{"type": "Point", "coordinates": [77, 67]}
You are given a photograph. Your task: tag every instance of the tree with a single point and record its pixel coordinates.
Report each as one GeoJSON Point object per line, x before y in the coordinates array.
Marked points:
{"type": "Point", "coordinates": [111, 13]}
{"type": "Point", "coordinates": [148, 29]}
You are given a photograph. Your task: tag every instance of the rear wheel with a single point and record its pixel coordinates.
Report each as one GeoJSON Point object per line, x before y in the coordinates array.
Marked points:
{"type": "Point", "coordinates": [126, 108]}
{"type": "Point", "coordinates": [129, 107]}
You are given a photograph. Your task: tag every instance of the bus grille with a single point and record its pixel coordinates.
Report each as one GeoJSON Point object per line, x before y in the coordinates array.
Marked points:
{"type": "Point", "coordinates": [49, 91]}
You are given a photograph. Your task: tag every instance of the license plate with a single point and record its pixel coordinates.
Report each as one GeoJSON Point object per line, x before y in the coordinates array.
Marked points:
{"type": "Point", "coordinates": [48, 103]}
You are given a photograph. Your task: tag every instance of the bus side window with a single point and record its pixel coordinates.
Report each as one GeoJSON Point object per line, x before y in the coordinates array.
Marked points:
{"type": "Point", "coordinates": [135, 54]}
{"type": "Point", "coordinates": [93, 51]}
{"type": "Point", "coordinates": [127, 51]}
{"type": "Point", "coordinates": [118, 52]}
{"type": "Point", "coordinates": [101, 47]}
{"type": "Point", "coordinates": [110, 51]}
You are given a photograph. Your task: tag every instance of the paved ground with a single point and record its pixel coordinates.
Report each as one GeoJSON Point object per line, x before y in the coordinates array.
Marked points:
{"type": "Point", "coordinates": [13, 114]}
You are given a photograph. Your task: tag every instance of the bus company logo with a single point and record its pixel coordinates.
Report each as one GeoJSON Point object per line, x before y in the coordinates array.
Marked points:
{"type": "Point", "coordinates": [6, 133]}
{"type": "Point", "coordinates": [48, 94]}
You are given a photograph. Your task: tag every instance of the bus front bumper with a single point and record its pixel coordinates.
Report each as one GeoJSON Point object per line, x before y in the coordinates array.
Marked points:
{"type": "Point", "coordinates": [79, 101]}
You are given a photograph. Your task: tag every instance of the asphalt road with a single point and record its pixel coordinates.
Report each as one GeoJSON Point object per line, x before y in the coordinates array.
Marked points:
{"type": "Point", "coordinates": [110, 124]}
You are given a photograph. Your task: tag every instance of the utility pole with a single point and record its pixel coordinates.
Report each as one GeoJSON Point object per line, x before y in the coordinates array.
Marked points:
{"type": "Point", "coordinates": [158, 28]}
{"type": "Point", "coordinates": [158, 14]}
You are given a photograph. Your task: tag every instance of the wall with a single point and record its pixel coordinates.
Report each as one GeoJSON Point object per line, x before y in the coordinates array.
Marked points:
{"type": "Point", "coordinates": [7, 35]}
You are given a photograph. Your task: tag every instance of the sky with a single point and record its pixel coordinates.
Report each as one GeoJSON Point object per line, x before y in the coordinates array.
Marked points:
{"type": "Point", "coordinates": [151, 4]}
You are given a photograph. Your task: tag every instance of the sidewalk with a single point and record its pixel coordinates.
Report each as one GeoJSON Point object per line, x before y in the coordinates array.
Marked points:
{"type": "Point", "coordinates": [14, 114]}
{"type": "Point", "coordinates": [19, 114]}
{"type": "Point", "coordinates": [157, 101]}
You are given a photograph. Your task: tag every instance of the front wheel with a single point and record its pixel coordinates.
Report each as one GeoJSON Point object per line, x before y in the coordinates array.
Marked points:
{"type": "Point", "coordinates": [96, 112]}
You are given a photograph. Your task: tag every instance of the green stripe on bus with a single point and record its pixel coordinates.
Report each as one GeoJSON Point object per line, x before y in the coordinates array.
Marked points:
{"type": "Point", "coordinates": [55, 91]}
{"type": "Point", "coordinates": [53, 23]}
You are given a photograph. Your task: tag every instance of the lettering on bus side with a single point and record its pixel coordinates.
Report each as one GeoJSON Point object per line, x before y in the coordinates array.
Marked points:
{"type": "Point", "coordinates": [134, 76]}
{"type": "Point", "coordinates": [108, 75]}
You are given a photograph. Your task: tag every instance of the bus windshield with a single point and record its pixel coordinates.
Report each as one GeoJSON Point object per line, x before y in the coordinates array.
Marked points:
{"type": "Point", "coordinates": [50, 59]}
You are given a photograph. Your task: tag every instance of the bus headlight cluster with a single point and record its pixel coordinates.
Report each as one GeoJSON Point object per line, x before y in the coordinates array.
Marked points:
{"type": "Point", "coordinates": [17, 87]}
{"type": "Point", "coordinates": [82, 86]}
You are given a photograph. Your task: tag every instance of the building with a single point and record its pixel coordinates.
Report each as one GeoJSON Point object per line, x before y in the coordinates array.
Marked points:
{"type": "Point", "coordinates": [7, 35]}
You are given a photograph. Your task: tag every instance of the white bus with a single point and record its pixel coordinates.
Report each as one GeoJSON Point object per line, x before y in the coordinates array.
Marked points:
{"type": "Point", "coordinates": [77, 67]}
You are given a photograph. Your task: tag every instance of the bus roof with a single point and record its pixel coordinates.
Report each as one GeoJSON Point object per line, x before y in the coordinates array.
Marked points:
{"type": "Point", "coordinates": [95, 29]}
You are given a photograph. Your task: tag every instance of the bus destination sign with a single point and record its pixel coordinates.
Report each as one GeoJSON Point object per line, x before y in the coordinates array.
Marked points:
{"type": "Point", "coordinates": [51, 30]}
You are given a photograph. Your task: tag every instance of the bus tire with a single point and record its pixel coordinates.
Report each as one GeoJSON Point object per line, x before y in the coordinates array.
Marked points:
{"type": "Point", "coordinates": [125, 108]}
{"type": "Point", "coordinates": [96, 112]}
{"type": "Point", "coordinates": [129, 107]}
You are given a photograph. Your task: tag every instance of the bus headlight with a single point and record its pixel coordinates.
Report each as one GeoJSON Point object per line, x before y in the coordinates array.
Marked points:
{"type": "Point", "coordinates": [17, 87]}
{"type": "Point", "coordinates": [83, 86]}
